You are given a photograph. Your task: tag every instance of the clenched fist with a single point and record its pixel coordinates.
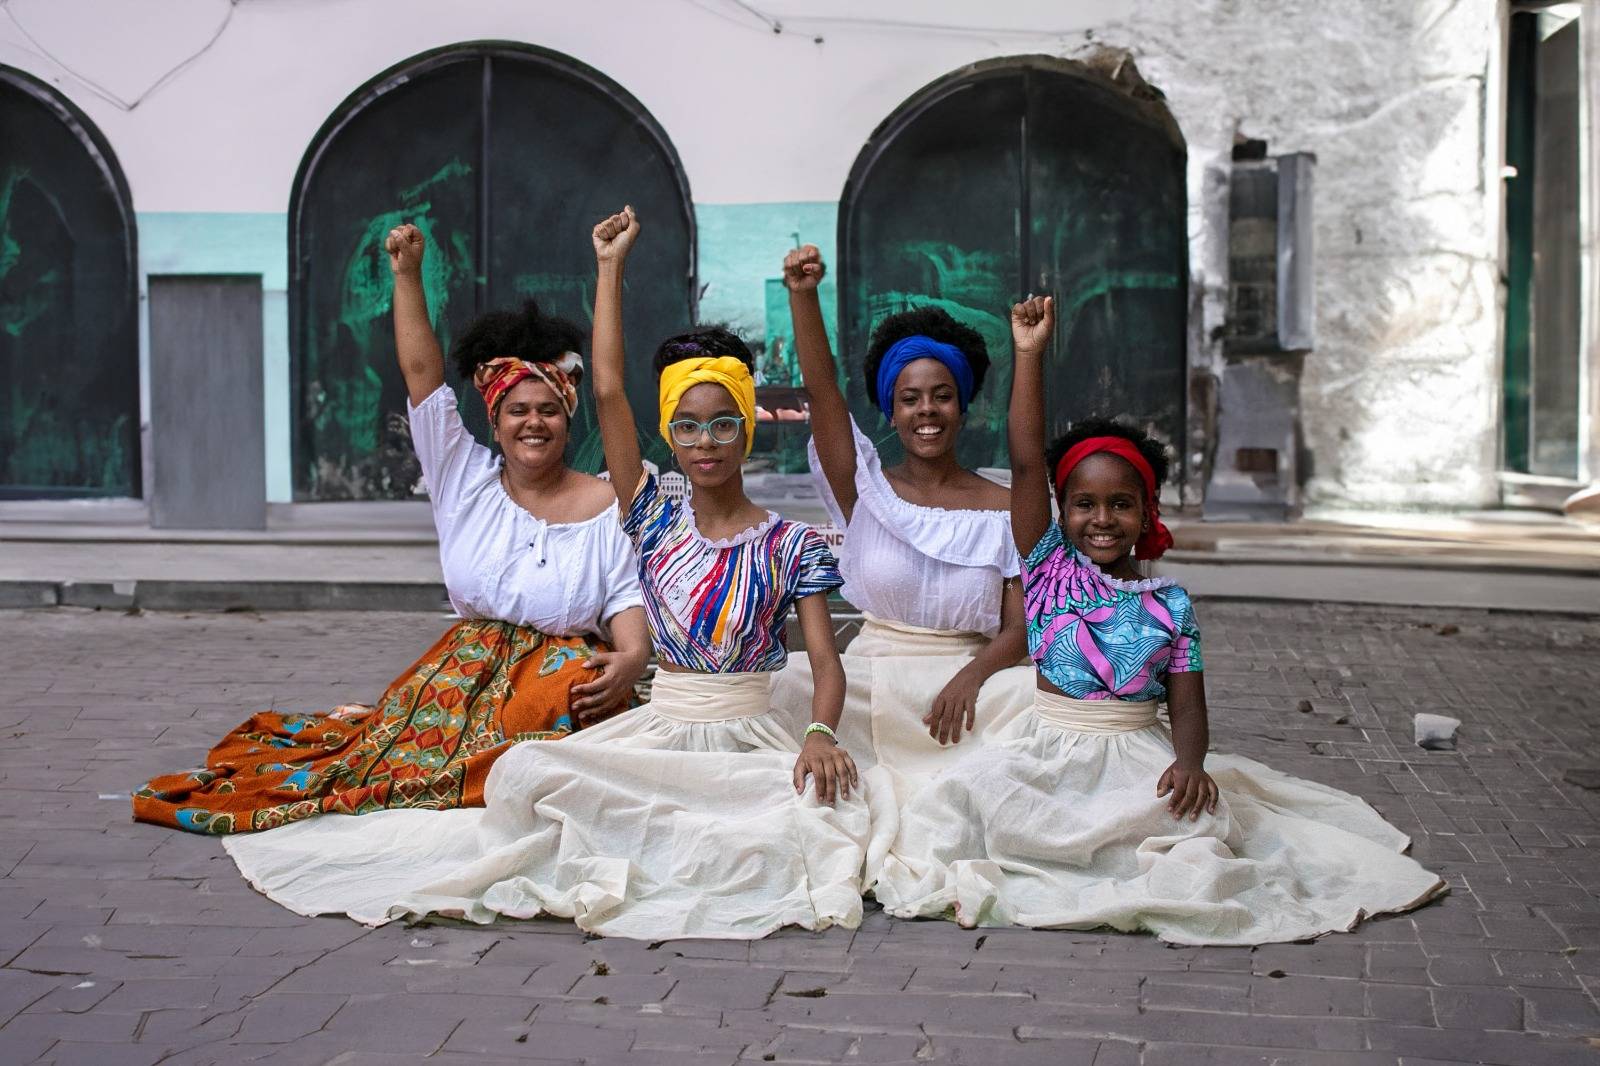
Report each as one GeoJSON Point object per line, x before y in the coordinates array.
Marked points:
{"type": "Point", "coordinates": [615, 235]}
{"type": "Point", "coordinates": [803, 269]}
{"type": "Point", "coordinates": [405, 245]}
{"type": "Point", "coordinates": [1032, 322]}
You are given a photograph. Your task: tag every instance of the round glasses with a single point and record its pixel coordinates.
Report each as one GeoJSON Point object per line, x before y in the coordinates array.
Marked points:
{"type": "Point", "coordinates": [722, 430]}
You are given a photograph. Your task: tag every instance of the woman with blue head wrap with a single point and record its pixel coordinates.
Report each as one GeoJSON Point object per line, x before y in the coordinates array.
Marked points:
{"type": "Point", "coordinates": [928, 555]}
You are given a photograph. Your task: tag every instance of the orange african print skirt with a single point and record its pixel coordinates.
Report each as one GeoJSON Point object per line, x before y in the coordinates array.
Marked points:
{"type": "Point", "coordinates": [428, 743]}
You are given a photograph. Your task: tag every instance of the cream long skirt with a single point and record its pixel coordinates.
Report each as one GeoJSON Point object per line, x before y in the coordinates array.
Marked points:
{"type": "Point", "coordinates": [1059, 826]}
{"type": "Point", "coordinates": [676, 819]}
{"type": "Point", "coordinates": [893, 673]}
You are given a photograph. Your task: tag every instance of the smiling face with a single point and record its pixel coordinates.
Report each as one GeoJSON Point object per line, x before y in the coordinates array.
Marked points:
{"type": "Point", "coordinates": [1102, 510]}
{"type": "Point", "coordinates": [706, 463]}
{"type": "Point", "coordinates": [532, 426]}
{"type": "Point", "coordinates": [927, 409]}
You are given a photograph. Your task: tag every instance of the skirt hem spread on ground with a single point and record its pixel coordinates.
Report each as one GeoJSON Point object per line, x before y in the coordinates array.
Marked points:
{"type": "Point", "coordinates": [429, 742]}
{"type": "Point", "coordinates": [1059, 826]}
{"type": "Point", "coordinates": [676, 819]}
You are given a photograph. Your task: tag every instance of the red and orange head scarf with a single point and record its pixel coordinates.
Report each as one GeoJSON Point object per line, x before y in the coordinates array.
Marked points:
{"type": "Point", "coordinates": [1153, 542]}
{"type": "Point", "coordinates": [497, 377]}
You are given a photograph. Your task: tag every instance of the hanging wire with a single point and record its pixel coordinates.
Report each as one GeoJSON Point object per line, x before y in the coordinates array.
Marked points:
{"type": "Point", "coordinates": [775, 25]}
{"type": "Point", "coordinates": [100, 90]}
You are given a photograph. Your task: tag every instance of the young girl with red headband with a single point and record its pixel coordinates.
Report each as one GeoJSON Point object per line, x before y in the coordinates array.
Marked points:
{"type": "Point", "coordinates": [1093, 812]}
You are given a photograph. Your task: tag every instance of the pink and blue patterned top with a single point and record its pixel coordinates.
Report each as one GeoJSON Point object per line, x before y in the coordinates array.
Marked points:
{"type": "Point", "coordinates": [718, 607]}
{"type": "Point", "coordinates": [1097, 637]}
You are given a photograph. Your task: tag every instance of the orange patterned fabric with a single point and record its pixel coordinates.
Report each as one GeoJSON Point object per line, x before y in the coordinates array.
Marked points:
{"type": "Point", "coordinates": [428, 744]}
{"type": "Point", "coordinates": [496, 377]}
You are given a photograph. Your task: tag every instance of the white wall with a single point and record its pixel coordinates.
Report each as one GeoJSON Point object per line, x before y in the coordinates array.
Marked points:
{"type": "Point", "coordinates": [1400, 399]}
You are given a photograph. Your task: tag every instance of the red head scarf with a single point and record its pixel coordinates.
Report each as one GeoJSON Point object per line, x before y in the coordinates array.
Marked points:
{"type": "Point", "coordinates": [496, 377]}
{"type": "Point", "coordinates": [1153, 542]}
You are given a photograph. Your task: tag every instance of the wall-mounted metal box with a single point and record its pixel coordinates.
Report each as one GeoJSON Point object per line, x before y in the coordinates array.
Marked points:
{"type": "Point", "coordinates": [1271, 300]}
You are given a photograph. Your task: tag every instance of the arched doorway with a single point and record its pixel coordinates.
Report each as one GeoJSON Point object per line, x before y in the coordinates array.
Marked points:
{"type": "Point", "coordinates": [69, 324]}
{"type": "Point", "coordinates": [505, 155]}
{"type": "Point", "coordinates": [1023, 175]}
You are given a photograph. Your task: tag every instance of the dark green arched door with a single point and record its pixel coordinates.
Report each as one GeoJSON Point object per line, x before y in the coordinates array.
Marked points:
{"type": "Point", "coordinates": [506, 156]}
{"type": "Point", "coordinates": [69, 341]}
{"type": "Point", "coordinates": [1022, 176]}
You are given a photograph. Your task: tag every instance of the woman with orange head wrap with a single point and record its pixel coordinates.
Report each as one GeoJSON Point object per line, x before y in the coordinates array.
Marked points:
{"type": "Point", "coordinates": [551, 632]}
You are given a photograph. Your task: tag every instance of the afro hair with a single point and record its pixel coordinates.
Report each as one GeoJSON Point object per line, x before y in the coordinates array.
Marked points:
{"type": "Point", "coordinates": [1154, 452]}
{"type": "Point", "coordinates": [528, 334]}
{"type": "Point", "coordinates": [931, 322]}
{"type": "Point", "coordinates": [700, 343]}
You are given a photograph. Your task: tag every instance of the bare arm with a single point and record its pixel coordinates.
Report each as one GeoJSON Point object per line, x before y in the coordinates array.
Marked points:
{"type": "Point", "coordinates": [803, 270]}
{"type": "Point", "coordinates": [618, 434]}
{"type": "Point", "coordinates": [1186, 780]}
{"type": "Point", "coordinates": [1032, 322]}
{"type": "Point", "coordinates": [820, 756]}
{"type": "Point", "coordinates": [1010, 645]}
{"type": "Point", "coordinates": [421, 360]}
{"type": "Point", "coordinates": [617, 670]}
{"type": "Point", "coordinates": [957, 703]}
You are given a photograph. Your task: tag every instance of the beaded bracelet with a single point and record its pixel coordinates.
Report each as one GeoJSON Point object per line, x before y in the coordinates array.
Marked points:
{"type": "Point", "coordinates": [818, 727]}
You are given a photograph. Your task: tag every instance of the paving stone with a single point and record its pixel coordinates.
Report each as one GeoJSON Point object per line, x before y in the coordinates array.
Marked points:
{"type": "Point", "coordinates": [539, 1039]}
{"type": "Point", "coordinates": [1192, 1055]}
{"type": "Point", "coordinates": [1551, 1010]}
{"type": "Point", "coordinates": [731, 993]}
{"type": "Point", "coordinates": [279, 1017]}
{"type": "Point", "coordinates": [1477, 1008]}
{"type": "Point", "coordinates": [70, 1053]}
{"type": "Point", "coordinates": [1308, 996]}
{"type": "Point", "coordinates": [623, 989]}
{"type": "Point", "coordinates": [1401, 1003]}
{"type": "Point", "coordinates": [1501, 1048]}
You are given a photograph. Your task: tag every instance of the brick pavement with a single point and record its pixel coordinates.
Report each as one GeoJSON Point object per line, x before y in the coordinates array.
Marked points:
{"type": "Point", "coordinates": [130, 944]}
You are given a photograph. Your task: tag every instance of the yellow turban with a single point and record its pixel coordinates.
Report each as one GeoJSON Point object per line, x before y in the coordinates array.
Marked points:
{"type": "Point", "coordinates": [678, 378]}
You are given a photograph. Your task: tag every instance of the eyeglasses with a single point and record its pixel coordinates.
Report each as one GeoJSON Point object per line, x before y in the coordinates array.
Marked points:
{"type": "Point", "coordinates": [723, 430]}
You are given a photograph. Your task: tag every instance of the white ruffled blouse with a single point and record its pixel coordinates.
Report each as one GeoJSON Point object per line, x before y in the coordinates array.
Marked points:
{"type": "Point", "coordinates": [500, 562]}
{"type": "Point", "coordinates": [920, 566]}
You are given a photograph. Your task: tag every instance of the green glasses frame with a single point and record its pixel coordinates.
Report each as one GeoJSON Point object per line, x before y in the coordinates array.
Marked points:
{"type": "Point", "coordinates": [724, 429]}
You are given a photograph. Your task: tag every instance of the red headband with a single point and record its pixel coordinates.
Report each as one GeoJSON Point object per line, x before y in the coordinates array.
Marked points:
{"type": "Point", "coordinates": [1155, 541]}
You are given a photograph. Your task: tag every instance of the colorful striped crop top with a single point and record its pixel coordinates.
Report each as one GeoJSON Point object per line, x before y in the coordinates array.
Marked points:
{"type": "Point", "coordinates": [718, 607]}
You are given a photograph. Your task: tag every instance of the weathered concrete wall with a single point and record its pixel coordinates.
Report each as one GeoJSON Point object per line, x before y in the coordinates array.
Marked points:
{"type": "Point", "coordinates": [1398, 100]}
{"type": "Point", "coordinates": [1400, 399]}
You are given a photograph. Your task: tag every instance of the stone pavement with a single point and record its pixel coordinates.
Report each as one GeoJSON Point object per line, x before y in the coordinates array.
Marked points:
{"type": "Point", "coordinates": [126, 943]}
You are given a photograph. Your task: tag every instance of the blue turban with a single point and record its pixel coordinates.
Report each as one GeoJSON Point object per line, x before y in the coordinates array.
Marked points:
{"type": "Point", "coordinates": [909, 350]}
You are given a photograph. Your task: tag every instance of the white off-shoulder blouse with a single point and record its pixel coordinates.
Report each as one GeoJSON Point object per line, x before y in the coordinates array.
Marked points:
{"type": "Point", "coordinates": [499, 561]}
{"type": "Point", "coordinates": [921, 566]}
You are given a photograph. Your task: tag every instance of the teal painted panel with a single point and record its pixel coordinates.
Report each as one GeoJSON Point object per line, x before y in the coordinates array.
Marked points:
{"type": "Point", "coordinates": [741, 258]}
{"type": "Point", "coordinates": [222, 242]}
{"type": "Point", "coordinates": [216, 242]}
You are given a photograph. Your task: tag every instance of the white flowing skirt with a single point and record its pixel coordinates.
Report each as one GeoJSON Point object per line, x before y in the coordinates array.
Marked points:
{"type": "Point", "coordinates": [893, 673]}
{"type": "Point", "coordinates": [1060, 827]}
{"type": "Point", "coordinates": [676, 819]}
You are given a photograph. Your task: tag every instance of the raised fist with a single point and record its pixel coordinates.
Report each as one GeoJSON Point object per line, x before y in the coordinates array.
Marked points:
{"type": "Point", "coordinates": [1032, 322]}
{"type": "Point", "coordinates": [405, 245]}
{"type": "Point", "coordinates": [803, 269]}
{"type": "Point", "coordinates": [615, 235]}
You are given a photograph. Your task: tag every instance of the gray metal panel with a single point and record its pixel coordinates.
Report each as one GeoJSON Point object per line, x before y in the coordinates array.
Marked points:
{"type": "Point", "coordinates": [1297, 306]}
{"type": "Point", "coordinates": [1255, 474]}
{"type": "Point", "coordinates": [207, 418]}
{"type": "Point", "coordinates": [1557, 359]}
